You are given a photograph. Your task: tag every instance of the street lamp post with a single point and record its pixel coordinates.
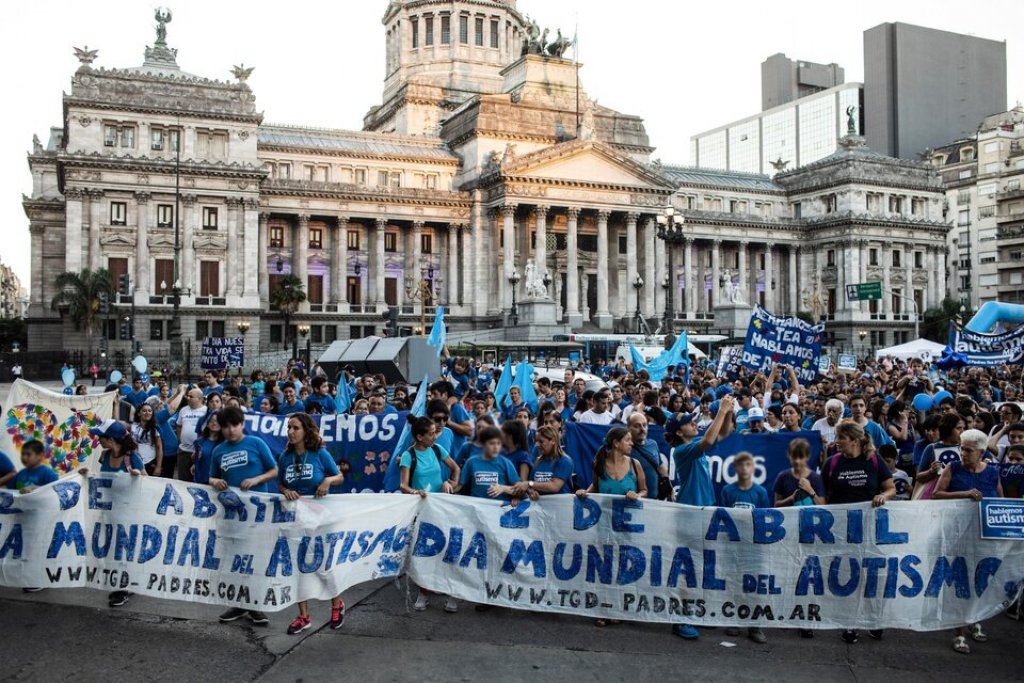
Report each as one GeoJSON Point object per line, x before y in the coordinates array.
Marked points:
{"type": "Point", "coordinates": [243, 327]}
{"type": "Point", "coordinates": [424, 291]}
{"type": "Point", "coordinates": [670, 230]}
{"type": "Point", "coordinates": [304, 331]}
{"type": "Point", "coordinates": [638, 284]}
{"type": "Point", "coordinates": [863, 335]}
{"type": "Point", "coordinates": [513, 314]}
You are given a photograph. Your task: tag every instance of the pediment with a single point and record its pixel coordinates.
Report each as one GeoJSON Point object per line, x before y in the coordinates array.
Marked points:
{"type": "Point", "coordinates": [209, 242]}
{"type": "Point", "coordinates": [590, 163]}
{"type": "Point", "coordinates": [161, 241]}
{"type": "Point", "coordinates": [117, 240]}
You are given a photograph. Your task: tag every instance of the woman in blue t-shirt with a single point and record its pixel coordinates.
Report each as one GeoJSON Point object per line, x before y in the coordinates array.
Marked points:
{"type": "Point", "coordinates": [552, 470]}
{"type": "Point", "coordinates": [202, 457]}
{"type": "Point", "coordinates": [307, 469]}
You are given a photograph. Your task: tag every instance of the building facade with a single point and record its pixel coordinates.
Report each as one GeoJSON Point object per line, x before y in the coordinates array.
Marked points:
{"type": "Point", "coordinates": [784, 80]}
{"type": "Point", "coordinates": [983, 175]}
{"type": "Point", "coordinates": [924, 87]}
{"type": "Point", "coordinates": [12, 294]}
{"type": "Point", "coordinates": [452, 186]}
{"type": "Point", "coordinates": [785, 137]}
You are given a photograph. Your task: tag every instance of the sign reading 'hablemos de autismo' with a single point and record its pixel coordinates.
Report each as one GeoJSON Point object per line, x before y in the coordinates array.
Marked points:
{"type": "Point", "coordinates": [1002, 518]}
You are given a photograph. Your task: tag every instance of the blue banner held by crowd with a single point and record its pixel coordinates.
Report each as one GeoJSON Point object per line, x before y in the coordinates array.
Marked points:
{"type": "Point", "coordinates": [989, 350]}
{"type": "Point", "coordinates": [772, 340]}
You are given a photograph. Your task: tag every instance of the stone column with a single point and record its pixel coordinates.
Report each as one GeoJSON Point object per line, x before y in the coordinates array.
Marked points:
{"type": "Point", "coordinates": [660, 272]}
{"type": "Point", "coordinates": [186, 268]}
{"type": "Point", "coordinates": [73, 198]}
{"type": "Point", "coordinates": [794, 271]}
{"type": "Point", "coordinates": [651, 283]}
{"type": "Point", "coordinates": [231, 252]}
{"type": "Point", "coordinates": [631, 260]}
{"type": "Point", "coordinates": [689, 305]}
{"type": "Point", "coordinates": [377, 297]}
{"type": "Point", "coordinates": [540, 251]}
{"type": "Point", "coordinates": [415, 264]}
{"type": "Point", "coordinates": [603, 316]}
{"type": "Point", "coordinates": [508, 215]}
{"type": "Point", "coordinates": [452, 274]}
{"type": "Point", "coordinates": [339, 268]}
{"type": "Point", "coordinates": [572, 271]}
{"type": "Point", "coordinates": [248, 253]}
{"type": "Point", "coordinates": [300, 254]}
{"type": "Point", "coordinates": [742, 267]}
{"type": "Point", "coordinates": [716, 262]}
{"type": "Point", "coordinates": [908, 291]}
{"type": "Point", "coordinates": [40, 304]}
{"type": "Point", "coordinates": [141, 244]}
{"type": "Point", "coordinates": [95, 221]}
{"type": "Point", "coordinates": [931, 265]}
{"type": "Point", "coordinates": [479, 269]}
{"type": "Point", "coordinates": [264, 275]}
{"type": "Point", "coordinates": [769, 274]}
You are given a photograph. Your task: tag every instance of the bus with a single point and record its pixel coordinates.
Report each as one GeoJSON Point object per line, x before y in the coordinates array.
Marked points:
{"type": "Point", "coordinates": [605, 346]}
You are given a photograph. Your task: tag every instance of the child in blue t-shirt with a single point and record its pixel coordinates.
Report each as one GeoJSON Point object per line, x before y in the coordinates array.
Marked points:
{"type": "Point", "coordinates": [241, 461]}
{"type": "Point", "coordinates": [745, 493]}
{"type": "Point", "coordinates": [490, 475]}
{"type": "Point", "coordinates": [35, 473]}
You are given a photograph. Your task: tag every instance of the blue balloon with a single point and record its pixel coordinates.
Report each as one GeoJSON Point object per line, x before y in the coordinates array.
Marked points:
{"type": "Point", "coordinates": [940, 397]}
{"type": "Point", "coordinates": [68, 377]}
{"type": "Point", "coordinates": [922, 402]}
{"type": "Point", "coordinates": [140, 363]}
{"type": "Point", "coordinates": [68, 391]}
{"type": "Point", "coordinates": [115, 376]}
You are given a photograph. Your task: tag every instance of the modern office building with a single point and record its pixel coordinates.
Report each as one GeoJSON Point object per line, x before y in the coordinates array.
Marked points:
{"type": "Point", "coordinates": [785, 137]}
{"type": "Point", "coordinates": [924, 87]}
{"type": "Point", "coordinates": [784, 80]}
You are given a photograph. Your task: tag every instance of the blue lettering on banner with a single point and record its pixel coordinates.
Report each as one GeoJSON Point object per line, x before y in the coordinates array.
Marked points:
{"type": "Point", "coordinates": [772, 340]}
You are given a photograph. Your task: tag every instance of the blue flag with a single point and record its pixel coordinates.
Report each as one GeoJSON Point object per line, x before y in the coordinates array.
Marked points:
{"type": "Point", "coordinates": [438, 333]}
{"type": "Point", "coordinates": [343, 399]}
{"type": "Point", "coordinates": [504, 383]}
{"type": "Point", "coordinates": [524, 380]}
{"type": "Point", "coordinates": [657, 368]}
{"type": "Point", "coordinates": [393, 475]}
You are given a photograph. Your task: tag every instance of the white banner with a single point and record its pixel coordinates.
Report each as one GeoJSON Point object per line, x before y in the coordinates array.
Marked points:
{"type": "Point", "coordinates": [61, 422]}
{"type": "Point", "coordinates": [169, 539]}
{"type": "Point", "coordinates": [916, 565]}
{"type": "Point", "coordinates": [919, 565]}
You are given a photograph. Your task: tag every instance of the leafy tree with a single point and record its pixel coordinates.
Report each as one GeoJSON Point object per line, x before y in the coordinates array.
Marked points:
{"type": "Point", "coordinates": [936, 320]}
{"type": "Point", "coordinates": [287, 298]}
{"type": "Point", "coordinates": [78, 297]}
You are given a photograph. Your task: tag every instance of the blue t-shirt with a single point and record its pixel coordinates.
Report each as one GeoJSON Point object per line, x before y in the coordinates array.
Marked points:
{"type": "Point", "coordinates": [428, 475]}
{"type": "Point", "coordinates": [6, 466]}
{"type": "Point", "coordinates": [754, 497]}
{"type": "Point", "coordinates": [445, 440]}
{"type": "Point", "coordinates": [480, 473]}
{"type": "Point", "coordinates": [297, 407]}
{"type": "Point", "coordinates": [204, 459]}
{"type": "Point", "coordinates": [216, 389]}
{"type": "Point", "coordinates": [649, 457]}
{"type": "Point", "coordinates": [244, 459]}
{"type": "Point", "coordinates": [459, 415]}
{"type": "Point", "coordinates": [694, 475]}
{"type": "Point", "coordinates": [136, 398]}
{"type": "Point", "coordinates": [324, 403]}
{"type": "Point", "coordinates": [545, 470]}
{"type": "Point", "coordinates": [40, 475]}
{"type": "Point", "coordinates": [518, 458]}
{"type": "Point", "coordinates": [167, 435]}
{"type": "Point", "coordinates": [132, 459]}
{"type": "Point", "coordinates": [304, 473]}
{"type": "Point", "coordinates": [877, 434]}
{"type": "Point", "coordinates": [468, 450]}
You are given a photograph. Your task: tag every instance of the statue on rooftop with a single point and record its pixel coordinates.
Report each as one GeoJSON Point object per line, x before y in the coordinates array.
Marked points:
{"type": "Point", "coordinates": [85, 55]}
{"type": "Point", "coordinates": [163, 17]}
{"type": "Point", "coordinates": [240, 72]}
{"type": "Point", "coordinates": [851, 120]}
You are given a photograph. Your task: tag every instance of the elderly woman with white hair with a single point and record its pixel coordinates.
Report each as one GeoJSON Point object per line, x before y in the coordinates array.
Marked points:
{"type": "Point", "coordinates": [826, 426]}
{"type": "Point", "coordinates": [971, 478]}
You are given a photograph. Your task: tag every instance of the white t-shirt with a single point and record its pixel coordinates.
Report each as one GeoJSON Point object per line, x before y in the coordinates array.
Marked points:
{"type": "Point", "coordinates": [146, 447]}
{"type": "Point", "coordinates": [827, 430]}
{"type": "Point", "coordinates": [592, 418]}
{"type": "Point", "coordinates": [188, 418]}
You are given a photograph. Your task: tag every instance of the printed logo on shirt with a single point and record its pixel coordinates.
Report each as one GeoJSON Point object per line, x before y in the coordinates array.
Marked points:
{"type": "Point", "coordinates": [947, 456]}
{"type": "Point", "coordinates": [853, 478]}
{"type": "Point", "coordinates": [485, 478]}
{"type": "Point", "coordinates": [234, 459]}
{"type": "Point", "coordinates": [543, 477]}
{"type": "Point", "coordinates": [902, 486]}
{"type": "Point", "coordinates": [298, 472]}
{"type": "Point", "coordinates": [743, 505]}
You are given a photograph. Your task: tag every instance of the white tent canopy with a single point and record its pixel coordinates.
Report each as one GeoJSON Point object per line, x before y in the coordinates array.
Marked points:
{"type": "Point", "coordinates": [920, 348]}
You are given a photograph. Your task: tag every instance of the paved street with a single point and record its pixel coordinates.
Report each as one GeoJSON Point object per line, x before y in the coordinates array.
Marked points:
{"type": "Point", "coordinates": [384, 640]}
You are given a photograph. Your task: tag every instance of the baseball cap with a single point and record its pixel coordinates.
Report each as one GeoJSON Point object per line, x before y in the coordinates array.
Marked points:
{"type": "Point", "coordinates": [678, 421]}
{"type": "Point", "coordinates": [112, 429]}
{"type": "Point", "coordinates": [755, 414]}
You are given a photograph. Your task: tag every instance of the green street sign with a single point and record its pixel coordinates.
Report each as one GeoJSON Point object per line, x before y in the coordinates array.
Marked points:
{"type": "Point", "coordinates": [864, 291]}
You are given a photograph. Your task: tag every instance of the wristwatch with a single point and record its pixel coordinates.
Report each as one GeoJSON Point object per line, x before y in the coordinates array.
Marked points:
{"type": "Point", "coordinates": [530, 483]}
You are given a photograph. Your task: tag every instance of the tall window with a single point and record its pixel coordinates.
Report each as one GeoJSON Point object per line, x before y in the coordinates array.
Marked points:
{"type": "Point", "coordinates": [316, 238]}
{"type": "Point", "coordinates": [156, 138]}
{"type": "Point", "coordinates": [209, 218]}
{"type": "Point", "coordinates": [315, 289]}
{"type": "Point", "coordinates": [429, 30]}
{"type": "Point", "coordinates": [353, 239]}
{"type": "Point", "coordinates": [118, 213]}
{"type": "Point", "coordinates": [494, 33]}
{"type": "Point", "coordinates": [276, 236]}
{"type": "Point", "coordinates": [109, 136]}
{"type": "Point", "coordinates": [128, 137]}
{"type": "Point", "coordinates": [873, 258]}
{"type": "Point", "coordinates": [164, 215]}
{"type": "Point", "coordinates": [478, 31]}
{"type": "Point", "coordinates": [117, 267]}
{"type": "Point", "coordinates": [831, 257]}
{"type": "Point", "coordinates": [211, 143]}
{"type": "Point", "coordinates": [209, 278]}
{"type": "Point", "coordinates": [382, 178]}
{"type": "Point", "coordinates": [391, 241]}
{"type": "Point", "coordinates": [396, 179]}
{"type": "Point", "coordinates": [391, 291]}
{"type": "Point", "coordinates": [354, 289]}
{"type": "Point", "coordinates": [896, 258]}
{"type": "Point", "coordinates": [360, 176]}
{"type": "Point", "coordinates": [426, 243]}
{"type": "Point", "coordinates": [415, 32]}
{"type": "Point", "coordinates": [156, 330]}
{"type": "Point", "coordinates": [163, 275]}
{"type": "Point", "coordinates": [446, 29]}
{"type": "Point", "coordinates": [463, 29]}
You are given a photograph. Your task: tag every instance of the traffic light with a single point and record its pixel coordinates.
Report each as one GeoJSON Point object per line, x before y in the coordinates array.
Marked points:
{"type": "Point", "coordinates": [391, 316]}
{"type": "Point", "coordinates": [104, 303]}
{"type": "Point", "coordinates": [124, 284]}
{"type": "Point", "coordinates": [126, 329]}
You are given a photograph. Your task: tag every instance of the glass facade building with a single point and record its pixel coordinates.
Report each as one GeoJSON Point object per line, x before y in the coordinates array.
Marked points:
{"type": "Point", "coordinates": [788, 136]}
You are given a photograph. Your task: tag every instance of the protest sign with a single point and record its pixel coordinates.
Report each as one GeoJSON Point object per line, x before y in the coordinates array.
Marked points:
{"type": "Point", "coordinates": [773, 340]}
{"type": "Point", "coordinates": [989, 350]}
{"type": "Point", "coordinates": [223, 352]}
{"type": "Point", "coordinates": [1001, 518]}
{"type": "Point", "coordinates": [847, 363]}
{"type": "Point", "coordinates": [824, 365]}
{"type": "Point", "coordinates": [769, 451]}
{"type": "Point", "coordinates": [918, 565]}
{"type": "Point", "coordinates": [365, 442]}
{"type": "Point", "coordinates": [61, 422]}
{"type": "Point", "coordinates": [729, 362]}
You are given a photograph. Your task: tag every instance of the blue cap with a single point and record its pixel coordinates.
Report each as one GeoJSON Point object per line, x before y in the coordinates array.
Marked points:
{"type": "Point", "coordinates": [677, 422]}
{"type": "Point", "coordinates": [111, 429]}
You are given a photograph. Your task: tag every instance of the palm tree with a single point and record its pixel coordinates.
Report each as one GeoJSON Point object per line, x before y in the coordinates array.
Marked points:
{"type": "Point", "coordinates": [78, 296]}
{"type": "Point", "coordinates": [286, 298]}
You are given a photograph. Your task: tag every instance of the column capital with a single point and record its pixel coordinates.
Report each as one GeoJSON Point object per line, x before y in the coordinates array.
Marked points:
{"type": "Point", "coordinates": [303, 219]}
{"type": "Point", "coordinates": [769, 247]}
{"type": "Point", "coordinates": [632, 217]}
{"type": "Point", "coordinates": [456, 227]}
{"type": "Point", "coordinates": [509, 210]}
{"type": "Point", "coordinates": [342, 221]}
{"type": "Point", "coordinates": [94, 193]}
{"type": "Point", "coordinates": [418, 225]}
{"type": "Point", "coordinates": [573, 213]}
{"type": "Point", "coordinates": [264, 216]}
{"type": "Point", "coordinates": [541, 210]}
{"type": "Point", "coordinates": [233, 202]}
{"type": "Point", "coordinates": [603, 214]}
{"type": "Point", "coordinates": [744, 244]}
{"type": "Point", "coordinates": [717, 243]}
{"type": "Point", "coordinates": [381, 223]}
{"type": "Point", "coordinates": [251, 204]}
{"type": "Point", "coordinates": [689, 240]}
{"type": "Point", "coordinates": [140, 197]}
{"type": "Point", "coordinates": [188, 200]}
{"type": "Point", "coordinates": [78, 194]}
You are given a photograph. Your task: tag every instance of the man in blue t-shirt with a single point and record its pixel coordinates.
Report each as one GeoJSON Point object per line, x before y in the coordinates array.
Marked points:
{"type": "Point", "coordinates": [291, 403]}
{"type": "Point", "coordinates": [692, 470]}
{"type": "Point", "coordinates": [645, 452]}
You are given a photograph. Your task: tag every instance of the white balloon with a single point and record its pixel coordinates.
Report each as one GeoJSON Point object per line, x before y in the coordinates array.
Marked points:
{"type": "Point", "coordinates": [116, 376]}
{"type": "Point", "coordinates": [140, 363]}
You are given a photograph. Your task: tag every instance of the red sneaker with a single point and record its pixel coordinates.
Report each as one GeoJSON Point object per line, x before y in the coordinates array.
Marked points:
{"type": "Point", "coordinates": [300, 624]}
{"type": "Point", "coordinates": [337, 616]}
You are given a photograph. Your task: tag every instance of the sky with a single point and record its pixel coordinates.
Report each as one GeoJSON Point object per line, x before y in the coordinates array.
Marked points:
{"type": "Point", "coordinates": [684, 67]}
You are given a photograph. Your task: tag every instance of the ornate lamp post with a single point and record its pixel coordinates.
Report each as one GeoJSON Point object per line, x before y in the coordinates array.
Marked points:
{"type": "Point", "coordinates": [513, 280]}
{"type": "Point", "coordinates": [670, 230]}
{"type": "Point", "coordinates": [638, 284]}
{"type": "Point", "coordinates": [423, 291]}
{"type": "Point", "coordinates": [304, 331]}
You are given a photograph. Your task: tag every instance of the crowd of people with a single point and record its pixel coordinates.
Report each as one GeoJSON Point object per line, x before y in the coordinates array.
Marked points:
{"type": "Point", "coordinates": [893, 430]}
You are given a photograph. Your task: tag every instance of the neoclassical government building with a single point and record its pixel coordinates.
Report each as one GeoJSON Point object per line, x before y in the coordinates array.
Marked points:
{"type": "Point", "coordinates": [483, 155]}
